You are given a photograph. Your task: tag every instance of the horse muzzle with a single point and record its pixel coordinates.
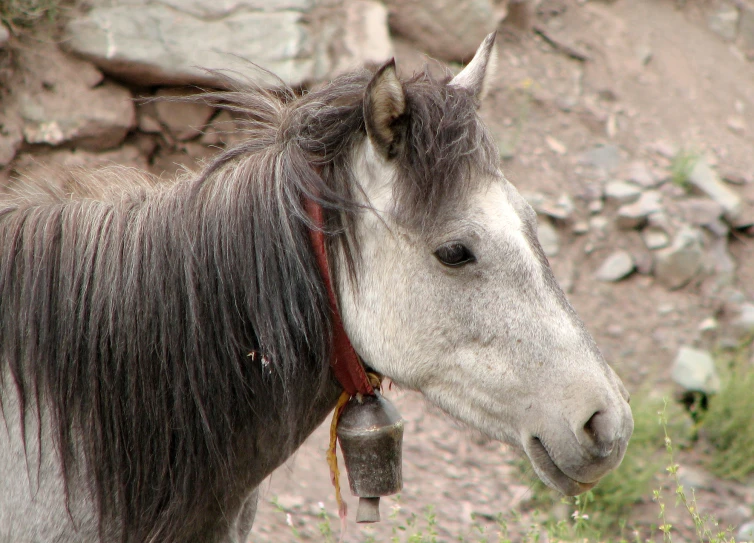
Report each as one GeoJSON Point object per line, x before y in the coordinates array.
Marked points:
{"type": "Point", "coordinates": [573, 459]}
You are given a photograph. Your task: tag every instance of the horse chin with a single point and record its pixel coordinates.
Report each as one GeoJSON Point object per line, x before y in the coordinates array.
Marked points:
{"type": "Point", "coordinates": [549, 472]}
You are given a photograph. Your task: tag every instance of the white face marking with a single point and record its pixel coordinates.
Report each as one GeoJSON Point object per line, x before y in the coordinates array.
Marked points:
{"type": "Point", "coordinates": [494, 342]}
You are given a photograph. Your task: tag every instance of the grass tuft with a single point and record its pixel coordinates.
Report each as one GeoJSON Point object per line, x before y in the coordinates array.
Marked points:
{"type": "Point", "coordinates": [681, 167]}
{"type": "Point", "coordinates": [729, 424]}
{"type": "Point", "coordinates": [18, 14]}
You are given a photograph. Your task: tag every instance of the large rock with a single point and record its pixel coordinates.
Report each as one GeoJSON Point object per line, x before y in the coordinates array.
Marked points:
{"type": "Point", "coordinates": [185, 120]}
{"type": "Point", "coordinates": [358, 34]}
{"type": "Point", "coordinates": [65, 102]}
{"type": "Point", "coordinates": [695, 371]}
{"type": "Point", "coordinates": [175, 42]}
{"type": "Point", "coordinates": [704, 178]}
{"type": "Point", "coordinates": [678, 264]}
{"type": "Point", "coordinates": [157, 44]}
{"type": "Point", "coordinates": [446, 29]}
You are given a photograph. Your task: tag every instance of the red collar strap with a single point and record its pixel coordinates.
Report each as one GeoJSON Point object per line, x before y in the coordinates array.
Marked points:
{"type": "Point", "coordinates": [345, 362]}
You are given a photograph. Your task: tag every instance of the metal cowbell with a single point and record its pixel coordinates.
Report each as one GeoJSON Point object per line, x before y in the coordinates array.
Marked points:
{"type": "Point", "coordinates": [370, 431]}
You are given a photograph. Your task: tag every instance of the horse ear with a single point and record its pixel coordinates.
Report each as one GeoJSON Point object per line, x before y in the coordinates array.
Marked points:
{"type": "Point", "coordinates": [477, 74]}
{"type": "Point", "coordinates": [384, 104]}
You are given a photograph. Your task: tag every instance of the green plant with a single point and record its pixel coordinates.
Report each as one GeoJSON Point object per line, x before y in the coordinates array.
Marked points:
{"type": "Point", "coordinates": [728, 423]}
{"type": "Point", "coordinates": [704, 526]}
{"type": "Point", "coordinates": [26, 13]}
{"type": "Point", "coordinates": [681, 167]}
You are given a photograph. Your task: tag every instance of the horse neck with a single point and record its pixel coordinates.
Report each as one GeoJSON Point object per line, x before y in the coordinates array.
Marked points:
{"type": "Point", "coordinates": [151, 307]}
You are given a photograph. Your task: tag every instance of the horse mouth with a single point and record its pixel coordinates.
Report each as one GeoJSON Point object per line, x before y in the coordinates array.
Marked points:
{"type": "Point", "coordinates": [550, 473]}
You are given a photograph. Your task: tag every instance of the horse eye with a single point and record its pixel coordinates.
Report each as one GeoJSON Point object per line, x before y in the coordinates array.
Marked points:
{"type": "Point", "coordinates": [455, 254]}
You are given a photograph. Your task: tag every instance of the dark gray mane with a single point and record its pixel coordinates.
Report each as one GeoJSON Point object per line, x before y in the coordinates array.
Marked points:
{"type": "Point", "coordinates": [129, 313]}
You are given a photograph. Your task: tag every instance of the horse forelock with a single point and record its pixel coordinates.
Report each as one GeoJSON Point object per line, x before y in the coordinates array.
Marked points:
{"type": "Point", "coordinates": [129, 309]}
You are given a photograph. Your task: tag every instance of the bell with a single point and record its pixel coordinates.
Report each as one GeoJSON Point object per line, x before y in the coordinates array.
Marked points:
{"type": "Point", "coordinates": [370, 432]}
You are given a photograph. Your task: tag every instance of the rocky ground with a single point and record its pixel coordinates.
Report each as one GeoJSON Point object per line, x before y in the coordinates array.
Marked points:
{"type": "Point", "coordinates": [628, 125]}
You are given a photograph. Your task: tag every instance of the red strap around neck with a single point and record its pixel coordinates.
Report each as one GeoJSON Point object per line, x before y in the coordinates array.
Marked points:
{"type": "Point", "coordinates": [345, 362]}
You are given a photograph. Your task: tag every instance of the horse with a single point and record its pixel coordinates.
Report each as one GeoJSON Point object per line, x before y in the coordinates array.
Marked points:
{"type": "Point", "coordinates": [165, 346]}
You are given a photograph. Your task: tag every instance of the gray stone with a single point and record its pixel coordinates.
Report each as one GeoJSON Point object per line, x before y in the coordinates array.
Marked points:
{"type": "Point", "coordinates": [704, 178]}
{"type": "Point", "coordinates": [94, 119]}
{"type": "Point", "coordinates": [654, 238]}
{"type": "Point", "coordinates": [746, 532]}
{"type": "Point", "coordinates": [603, 157]}
{"type": "Point", "coordinates": [709, 324]}
{"type": "Point", "coordinates": [622, 192]}
{"type": "Point", "coordinates": [640, 174]}
{"type": "Point", "coordinates": [618, 265]}
{"type": "Point", "coordinates": [700, 211]}
{"type": "Point", "coordinates": [560, 209]}
{"type": "Point", "coordinates": [549, 238]}
{"type": "Point", "coordinates": [599, 225]}
{"type": "Point", "coordinates": [694, 370]}
{"type": "Point", "coordinates": [662, 221]}
{"type": "Point", "coordinates": [743, 323]}
{"type": "Point", "coordinates": [724, 21]}
{"type": "Point", "coordinates": [215, 9]}
{"type": "Point", "coordinates": [635, 215]}
{"type": "Point", "coordinates": [736, 124]}
{"type": "Point", "coordinates": [745, 217]}
{"type": "Point", "coordinates": [596, 206]}
{"type": "Point", "coordinates": [665, 149]}
{"type": "Point", "coordinates": [184, 120]}
{"type": "Point", "coordinates": [718, 228]}
{"type": "Point", "coordinates": [81, 111]}
{"type": "Point", "coordinates": [4, 35]}
{"type": "Point", "coordinates": [446, 29]}
{"type": "Point", "coordinates": [222, 130]}
{"type": "Point", "coordinates": [746, 31]}
{"type": "Point", "coordinates": [722, 260]}
{"type": "Point", "coordinates": [678, 264]}
{"type": "Point", "coordinates": [158, 44]}
{"type": "Point", "coordinates": [580, 228]}
{"type": "Point", "coordinates": [362, 37]}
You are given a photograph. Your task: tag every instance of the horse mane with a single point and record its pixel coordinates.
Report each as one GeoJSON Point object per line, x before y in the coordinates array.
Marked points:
{"type": "Point", "coordinates": [129, 308]}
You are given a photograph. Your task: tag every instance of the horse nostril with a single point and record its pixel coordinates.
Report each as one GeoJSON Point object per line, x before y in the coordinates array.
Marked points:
{"type": "Point", "coordinates": [602, 431]}
{"type": "Point", "coordinates": [589, 427]}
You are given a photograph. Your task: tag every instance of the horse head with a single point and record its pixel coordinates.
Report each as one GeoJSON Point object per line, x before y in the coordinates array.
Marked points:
{"type": "Point", "coordinates": [451, 294]}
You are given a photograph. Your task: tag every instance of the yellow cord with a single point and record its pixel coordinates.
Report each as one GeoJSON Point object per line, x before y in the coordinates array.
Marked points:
{"type": "Point", "coordinates": [332, 458]}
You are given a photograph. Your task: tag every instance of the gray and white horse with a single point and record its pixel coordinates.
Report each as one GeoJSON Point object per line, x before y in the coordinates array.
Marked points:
{"type": "Point", "coordinates": [131, 409]}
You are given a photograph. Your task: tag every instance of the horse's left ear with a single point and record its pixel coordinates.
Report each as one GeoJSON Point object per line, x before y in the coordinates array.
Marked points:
{"type": "Point", "coordinates": [384, 104]}
{"type": "Point", "coordinates": [477, 74]}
